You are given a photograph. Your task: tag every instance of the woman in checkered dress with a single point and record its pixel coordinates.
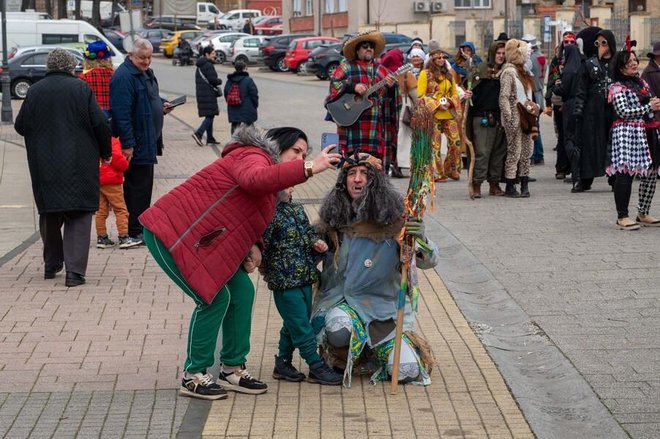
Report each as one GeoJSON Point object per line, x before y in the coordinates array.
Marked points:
{"type": "Point", "coordinates": [634, 106]}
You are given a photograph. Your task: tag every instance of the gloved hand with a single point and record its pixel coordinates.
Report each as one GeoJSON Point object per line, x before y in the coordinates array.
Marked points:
{"type": "Point", "coordinates": [416, 229]}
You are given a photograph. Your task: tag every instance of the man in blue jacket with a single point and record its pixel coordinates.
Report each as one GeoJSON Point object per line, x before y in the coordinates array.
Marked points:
{"type": "Point", "coordinates": [137, 119]}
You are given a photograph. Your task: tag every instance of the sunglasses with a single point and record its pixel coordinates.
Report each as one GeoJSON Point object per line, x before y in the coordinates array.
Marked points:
{"type": "Point", "coordinates": [367, 45]}
{"type": "Point", "coordinates": [440, 57]}
{"type": "Point", "coordinates": [602, 43]}
{"type": "Point", "coordinates": [569, 42]}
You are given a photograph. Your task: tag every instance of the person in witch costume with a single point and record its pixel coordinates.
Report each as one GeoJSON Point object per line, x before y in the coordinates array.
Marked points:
{"type": "Point", "coordinates": [634, 106]}
{"type": "Point", "coordinates": [361, 219]}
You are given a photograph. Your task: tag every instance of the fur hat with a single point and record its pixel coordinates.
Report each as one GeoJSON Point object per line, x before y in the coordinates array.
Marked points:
{"type": "Point", "coordinates": [516, 52]}
{"type": "Point", "coordinates": [61, 60]}
{"type": "Point", "coordinates": [350, 46]}
{"type": "Point", "coordinates": [416, 52]}
{"type": "Point", "coordinates": [98, 50]}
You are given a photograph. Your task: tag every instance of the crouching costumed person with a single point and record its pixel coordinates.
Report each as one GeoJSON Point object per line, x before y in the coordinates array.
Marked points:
{"type": "Point", "coordinates": [361, 219]}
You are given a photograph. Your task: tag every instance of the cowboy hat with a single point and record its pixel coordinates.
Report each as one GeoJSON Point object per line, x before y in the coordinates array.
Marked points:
{"type": "Point", "coordinates": [351, 45]}
{"type": "Point", "coordinates": [656, 50]}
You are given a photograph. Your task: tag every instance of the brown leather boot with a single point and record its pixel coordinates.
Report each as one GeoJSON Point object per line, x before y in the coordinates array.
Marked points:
{"type": "Point", "coordinates": [495, 189]}
{"type": "Point", "coordinates": [476, 189]}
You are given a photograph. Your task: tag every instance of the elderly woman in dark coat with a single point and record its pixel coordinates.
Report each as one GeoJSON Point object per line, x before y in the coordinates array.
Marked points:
{"type": "Point", "coordinates": [206, 84]}
{"type": "Point", "coordinates": [246, 111]}
{"type": "Point", "coordinates": [65, 133]}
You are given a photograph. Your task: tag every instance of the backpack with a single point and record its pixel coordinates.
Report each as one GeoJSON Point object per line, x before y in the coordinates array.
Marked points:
{"type": "Point", "coordinates": [234, 95]}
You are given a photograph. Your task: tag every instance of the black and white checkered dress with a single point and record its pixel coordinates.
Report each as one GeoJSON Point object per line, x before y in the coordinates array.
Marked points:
{"type": "Point", "coordinates": [630, 148]}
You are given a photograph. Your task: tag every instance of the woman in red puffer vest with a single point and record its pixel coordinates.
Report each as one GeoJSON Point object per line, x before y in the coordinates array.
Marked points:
{"type": "Point", "coordinates": [206, 235]}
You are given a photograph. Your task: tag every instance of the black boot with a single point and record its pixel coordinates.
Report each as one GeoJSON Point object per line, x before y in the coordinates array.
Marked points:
{"type": "Point", "coordinates": [511, 190]}
{"type": "Point", "coordinates": [524, 187]}
{"type": "Point", "coordinates": [284, 370]}
{"type": "Point", "coordinates": [321, 373]}
{"type": "Point", "coordinates": [577, 187]}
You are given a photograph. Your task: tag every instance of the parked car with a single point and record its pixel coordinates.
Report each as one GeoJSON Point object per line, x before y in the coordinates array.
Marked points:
{"type": "Point", "coordinates": [115, 37]}
{"type": "Point", "coordinates": [390, 37]}
{"type": "Point", "coordinates": [155, 36]}
{"type": "Point", "coordinates": [75, 48]}
{"type": "Point", "coordinates": [169, 43]}
{"type": "Point", "coordinates": [269, 26]}
{"type": "Point", "coordinates": [235, 19]}
{"type": "Point", "coordinates": [246, 49]}
{"type": "Point", "coordinates": [324, 60]}
{"type": "Point", "coordinates": [203, 40]}
{"type": "Point", "coordinates": [300, 48]}
{"type": "Point", "coordinates": [222, 43]}
{"type": "Point", "coordinates": [30, 66]}
{"type": "Point", "coordinates": [170, 23]}
{"type": "Point", "coordinates": [274, 48]}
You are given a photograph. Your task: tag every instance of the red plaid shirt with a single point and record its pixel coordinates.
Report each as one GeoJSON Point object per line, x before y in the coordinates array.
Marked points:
{"type": "Point", "coordinates": [98, 80]}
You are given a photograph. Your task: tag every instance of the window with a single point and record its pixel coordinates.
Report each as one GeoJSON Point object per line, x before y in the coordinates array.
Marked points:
{"type": "Point", "coordinates": [38, 59]}
{"type": "Point", "coordinates": [343, 6]}
{"type": "Point", "coordinates": [201, 7]}
{"type": "Point", "coordinates": [472, 3]}
{"type": "Point", "coordinates": [251, 42]}
{"type": "Point", "coordinates": [309, 9]}
{"type": "Point", "coordinates": [213, 10]}
{"type": "Point", "coordinates": [90, 38]}
{"type": "Point", "coordinates": [59, 39]}
{"type": "Point", "coordinates": [297, 8]}
{"type": "Point", "coordinates": [329, 6]}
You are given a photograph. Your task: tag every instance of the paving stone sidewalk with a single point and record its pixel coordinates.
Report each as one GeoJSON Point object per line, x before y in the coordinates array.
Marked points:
{"type": "Point", "coordinates": [103, 360]}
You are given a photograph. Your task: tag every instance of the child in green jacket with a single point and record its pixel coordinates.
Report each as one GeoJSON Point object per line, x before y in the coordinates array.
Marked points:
{"type": "Point", "coordinates": [291, 248]}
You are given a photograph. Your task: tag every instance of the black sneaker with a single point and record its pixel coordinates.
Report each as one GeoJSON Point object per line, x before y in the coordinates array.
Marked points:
{"type": "Point", "coordinates": [321, 373]}
{"type": "Point", "coordinates": [201, 386]}
{"type": "Point", "coordinates": [284, 370]}
{"type": "Point", "coordinates": [104, 242]}
{"type": "Point", "coordinates": [198, 139]}
{"type": "Point", "coordinates": [241, 381]}
{"type": "Point", "coordinates": [128, 242]}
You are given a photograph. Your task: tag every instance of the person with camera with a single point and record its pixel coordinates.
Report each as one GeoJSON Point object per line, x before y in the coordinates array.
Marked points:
{"type": "Point", "coordinates": [207, 91]}
{"type": "Point", "coordinates": [484, 128]}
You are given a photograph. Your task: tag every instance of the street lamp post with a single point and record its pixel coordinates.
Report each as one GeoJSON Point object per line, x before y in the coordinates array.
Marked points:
{"type": "Point", "coordinates": [5, 114]}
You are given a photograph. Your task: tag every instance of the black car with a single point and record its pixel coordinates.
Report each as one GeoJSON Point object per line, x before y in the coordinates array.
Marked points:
{"type": "Point", "coordinates": [170, 23]}
{"type": "Point", "coordinates": [274, 48]}
{"type": "Point", "coordinates": [30, 67]}
{"type": "Point", "coordinates": [324, 60]}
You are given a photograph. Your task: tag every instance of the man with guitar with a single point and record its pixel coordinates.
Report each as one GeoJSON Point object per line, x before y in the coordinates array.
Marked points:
{"type": "Point", "coordinates": [364, 99]}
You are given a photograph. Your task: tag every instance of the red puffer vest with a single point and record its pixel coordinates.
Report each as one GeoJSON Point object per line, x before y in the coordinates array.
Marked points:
{"type": "Point", "coordinates": [210, 222]}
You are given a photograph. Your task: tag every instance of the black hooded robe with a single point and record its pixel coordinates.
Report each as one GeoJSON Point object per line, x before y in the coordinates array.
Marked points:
{"type": "Point", "coordinates": [593, 113]}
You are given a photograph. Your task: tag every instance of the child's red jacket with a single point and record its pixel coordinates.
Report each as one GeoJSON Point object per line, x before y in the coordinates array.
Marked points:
{"type": "Point", "coordinates": [114, 172]}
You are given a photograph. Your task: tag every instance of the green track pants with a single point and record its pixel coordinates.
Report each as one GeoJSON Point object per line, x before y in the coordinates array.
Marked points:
{"type": "Point", "coordinates": [231, 309]}
{"type": "Point", "coordinates": [295, 308]}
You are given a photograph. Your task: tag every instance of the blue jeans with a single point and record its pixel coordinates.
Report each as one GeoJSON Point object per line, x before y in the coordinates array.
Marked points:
{"type": "Point", "coordinates": [207, 125]}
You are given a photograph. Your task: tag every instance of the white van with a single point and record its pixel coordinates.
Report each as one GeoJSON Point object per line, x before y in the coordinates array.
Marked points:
{"type": "Point", "coordinates": [55, 32]}
{"type": "Point", "coordinates": [207, 12]}
{"type": "Point", "coordinates": [235, 19]}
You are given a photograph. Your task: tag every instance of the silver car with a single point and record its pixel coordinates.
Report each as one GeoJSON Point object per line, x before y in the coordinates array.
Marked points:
{"type": "Point", "coordinates": [221, 44]}
{"type": "Point", "coordinates": [246, 49]}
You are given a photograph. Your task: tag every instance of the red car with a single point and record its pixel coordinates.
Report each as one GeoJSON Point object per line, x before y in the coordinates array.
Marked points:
{"type": "Point", "coordinates": [300, 48]}
{"type": "Point", "coordinates": [269, 26]}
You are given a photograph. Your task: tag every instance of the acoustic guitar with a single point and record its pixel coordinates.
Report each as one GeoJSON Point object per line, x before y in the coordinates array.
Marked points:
{"type": "Point", "coordinates": [347, 108]}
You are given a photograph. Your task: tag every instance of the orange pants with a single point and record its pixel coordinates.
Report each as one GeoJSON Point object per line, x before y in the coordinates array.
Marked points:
{"type": "Point", "coordinates": [452, 164]}
{"type": "Point", "coordinates": [112, 195]}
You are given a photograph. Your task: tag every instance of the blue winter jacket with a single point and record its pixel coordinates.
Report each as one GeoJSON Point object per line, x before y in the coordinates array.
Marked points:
{"type": "Point", "coordinates": [132, 120]}
{"type": "Point", "coordinates": [247, 111]}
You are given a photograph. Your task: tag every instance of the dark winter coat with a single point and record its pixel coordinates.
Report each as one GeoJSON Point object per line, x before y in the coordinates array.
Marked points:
{"type": "Point", "coordinates": [567, 88]}
{"type": "Point", "coordinates": [65, 133]}
{"type": "Point", "coordinates": [593, 116]}
{"type": "Point", "coordinates": [209, 222]}
{"type": "Point", "coordinates": [132, 118]}
{"type": "Point", "coordinates": [247, 111]}
{"type": "Point", "coordinates": [289, 260]}
{"type": "Point", "coordinates": [651, 75]}
{"type": "Point", "coordinates": [207, 101]}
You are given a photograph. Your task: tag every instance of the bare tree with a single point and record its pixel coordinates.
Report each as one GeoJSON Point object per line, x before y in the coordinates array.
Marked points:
{"type": "Point", "coordinates": [61, 8]}
{"type": "Point", "coordinates": [28, 4]}
{"type": "Point", "coordinates": [76, 11]}
{"type": "Point", "coordinates": [49, 7]}
{"type": "Point", "coordinates": [96, 13]}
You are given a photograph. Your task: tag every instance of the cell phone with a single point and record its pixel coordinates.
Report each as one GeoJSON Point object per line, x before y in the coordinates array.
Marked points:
{"type": "Point", "coordinates": [328, 139]}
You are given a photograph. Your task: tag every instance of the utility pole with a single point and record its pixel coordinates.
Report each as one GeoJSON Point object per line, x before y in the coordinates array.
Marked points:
{"type": "Point", "coordinates": [6, 114]}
